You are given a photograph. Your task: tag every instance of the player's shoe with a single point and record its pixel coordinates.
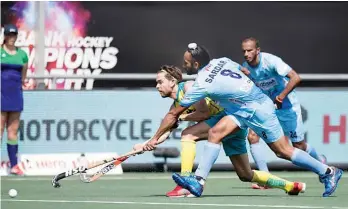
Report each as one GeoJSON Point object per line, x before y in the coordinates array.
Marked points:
{"type": "Point", "coordinates": [190, 183]}
{"type": "Point", "coordinates": [257, 186]}
{"type": "Point", "coordinates": [299, 187]}
{"type": "Point", "coordinates": [331, 181]}
{"type": "Point", "coordinates": [178, 191]}
{"type": "Point", "coordinates": [16, 170]}
{"type": "Point", "coordinates": [323, 159]}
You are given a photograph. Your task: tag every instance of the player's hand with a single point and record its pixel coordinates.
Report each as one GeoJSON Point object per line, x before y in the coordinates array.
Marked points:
{"type": "Point", "coordinates": [151, 145]}
{"type": "Point", "coordinates": [138, 147]}
{"type": "Point", "coordinates": [278, 102]}
{"type": "Point", "coordinates": [245, 71]}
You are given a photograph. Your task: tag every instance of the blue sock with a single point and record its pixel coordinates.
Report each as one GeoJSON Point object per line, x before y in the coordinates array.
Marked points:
{"type": "Point", "coordinates": [211, 153]}
{"type": "Point", "coordinates": [12, 150]}
{"type": "Point", "coordinates": [258, 155]}
{"type": "Point", "coordinates": [304, 160]}
{"type": "Point", "coordinates": [312, 152]}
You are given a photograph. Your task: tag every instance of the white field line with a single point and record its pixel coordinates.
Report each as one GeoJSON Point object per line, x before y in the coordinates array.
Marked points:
{"type": "Point", "coordinates": [154, 177]}
{"type": "Point", "coordinates": [179, 204]}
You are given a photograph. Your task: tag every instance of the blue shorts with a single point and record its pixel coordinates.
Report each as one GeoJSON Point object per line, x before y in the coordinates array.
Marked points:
{"type": "Point", "coordinates": [264, 122]}
{"type": "Point", "coordinates": [11, 91]}
{"type": "Point", "coordinates": [233, 144]}
{"type": "Point", "coordinates": [291, 122]}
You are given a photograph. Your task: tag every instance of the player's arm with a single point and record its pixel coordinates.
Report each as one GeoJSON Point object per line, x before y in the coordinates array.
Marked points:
{"type": "Point", "coordinates": [171, 107]}
{"type": "Point", "coordinates": [244, 70]}
{"type": "Point", "coordinates": [294, 80]}
{"type": "Point", "coordinates": [141, 145]}
{"type": "Point", "coordinates": [25, 67]}
{"type": "Point", "coordinates": [202, 110]}
{"type": "Point", "coordinates": [24, 72]}
{"type": "Point", "coordinates": [195, 94]}
{"type": "Point", "coordinates": [167, 123]}
{"type": "Point", "coordinates": [176, 122]}
{"type": "Point", "coordinates": [284, 69]}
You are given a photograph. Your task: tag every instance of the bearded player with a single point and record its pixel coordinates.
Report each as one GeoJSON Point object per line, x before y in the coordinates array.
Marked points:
{"type": "Point", "coordinates": [278, 81]}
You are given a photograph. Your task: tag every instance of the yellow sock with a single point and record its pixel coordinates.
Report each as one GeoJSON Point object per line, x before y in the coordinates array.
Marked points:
{"type": "Point", "coordinates": [264, 178]}
{"type": "Point", "coordinates": [188, 153]}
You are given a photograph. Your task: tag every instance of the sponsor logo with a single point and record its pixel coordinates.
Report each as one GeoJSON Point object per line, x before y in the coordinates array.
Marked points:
{"type": "Point", "coordinates": [69, 50]}
{"type": "Point", "coordinates": [267, 84]}
{"type": "Point", "coordinates": [52, 164]}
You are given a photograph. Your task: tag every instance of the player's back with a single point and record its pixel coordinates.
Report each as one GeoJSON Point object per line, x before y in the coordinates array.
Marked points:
{"type": "Point", "coordinates": [270, 76]}
{"type": "Point", "coordinates": [225, 83]}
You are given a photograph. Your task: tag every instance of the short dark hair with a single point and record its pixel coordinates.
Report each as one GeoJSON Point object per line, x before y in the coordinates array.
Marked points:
{"type": "Point", "coordinates": [257, 43]}
{"type": "Point", "coordinates": [172, 72]}
{"type": "Point", "coordinates": [199, 54]}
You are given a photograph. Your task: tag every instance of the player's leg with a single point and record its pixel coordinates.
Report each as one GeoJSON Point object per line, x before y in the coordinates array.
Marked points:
{"type": "Point", "coordinates": [4, 116]}
{"type": "Point", "coordinates": [235, 149]}
{"type": "Point", "coordinates": [256, 150]}
{"type": "Point", "coordinates": [293, 128]}
{"type": "Point", "coordinates": [266, 124]}
{"type": "Point", "coordinates": [292, 124]}
{"type": "Point", "coordinates": [241, 164]}
{"type": "Point", "coordinates": [227, 125]}
{"type": "Point", "coordinates": [211, 151]}
{"type": "Point", "coordinates": [300, 158]}
{"type": "Point", "coordinates": [189, 136]}
{"type": "Point", "coordinates": [12, 142]}
{"type": "Point", "coordinates": [303, 145]}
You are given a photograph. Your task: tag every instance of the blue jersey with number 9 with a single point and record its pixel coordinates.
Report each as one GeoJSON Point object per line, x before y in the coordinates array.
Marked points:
{"type": "Point", "coordinates": [222, 81]}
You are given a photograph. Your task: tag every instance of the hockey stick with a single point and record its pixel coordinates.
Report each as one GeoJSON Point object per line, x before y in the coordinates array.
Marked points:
{"type": "Point", "coordinates": [58, 177]}
{"type": "Point", "coordinates": [83, 169]}
{"type": "Point", "coordinates": [84, 178]}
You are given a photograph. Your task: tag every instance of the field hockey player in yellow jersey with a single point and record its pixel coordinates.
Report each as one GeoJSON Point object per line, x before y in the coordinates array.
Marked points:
{"type": "Point", "coordinates": [169, 85]}
{"type": "Point", "coordinates": [207, 113]}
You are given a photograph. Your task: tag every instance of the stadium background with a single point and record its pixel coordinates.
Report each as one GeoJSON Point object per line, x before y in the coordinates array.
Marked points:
{"type": "Point", "coordinates": [111, 114]}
